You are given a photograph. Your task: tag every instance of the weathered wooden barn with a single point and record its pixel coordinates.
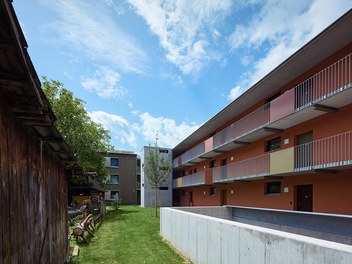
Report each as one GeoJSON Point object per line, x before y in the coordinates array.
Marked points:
{"type": "Point", "coordinates": [35, 161]}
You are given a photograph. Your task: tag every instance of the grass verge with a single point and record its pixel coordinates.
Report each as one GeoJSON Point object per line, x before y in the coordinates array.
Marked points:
{"type": "Point", "coordinates": [128, 235]}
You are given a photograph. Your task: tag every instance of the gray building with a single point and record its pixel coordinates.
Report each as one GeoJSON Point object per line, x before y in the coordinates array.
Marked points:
{"type": "Point", "coordinates": [147, 192]}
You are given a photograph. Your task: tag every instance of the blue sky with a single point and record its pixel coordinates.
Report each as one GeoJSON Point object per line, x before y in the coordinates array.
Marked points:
{"type": "Point", "coordinates": [144, 66]}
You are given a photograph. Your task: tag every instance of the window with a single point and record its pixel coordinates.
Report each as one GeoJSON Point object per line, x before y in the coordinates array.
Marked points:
{"type": "Point", "coordinates": [212, 191]}
{"type": "Point", "coordinates": [273, 144]}
{"type": "Point", "coordinates": [114, 162]}
{"type": "Point", "coordinates": [190, 172]}
{"type": "Point", "coordinates": [195, 170]}
{"type": "Point", "coordinates": [114, 179]}
{"type": "Point", "coordinates": [272, 187]}
{"type": "Point", "coordinates": [223, 162]}
{"type": "Point", "coordinates": [163, 188]}
{"type": "Point", "coordinates": [163, 151]}
{"type": "Point", "coordinates": [212, 163]}
{"type": "Point", "coordinates": [114, 195]}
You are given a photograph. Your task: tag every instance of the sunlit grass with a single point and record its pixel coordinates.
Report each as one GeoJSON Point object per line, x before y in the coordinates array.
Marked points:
{"type": "Point", "coordinates": [128, 235]}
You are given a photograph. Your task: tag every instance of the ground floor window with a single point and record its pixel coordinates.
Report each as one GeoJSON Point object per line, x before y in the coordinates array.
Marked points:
{"type": "Point", "coordinates": [272, 187]}
{"type": "Point", "coordinates": [114, 195]}
{"type": "Point", "coordinates": [212, 191]}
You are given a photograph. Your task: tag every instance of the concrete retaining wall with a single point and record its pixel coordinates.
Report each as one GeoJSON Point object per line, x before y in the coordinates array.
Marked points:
{"type": "Point", "coordinates": [222, 212]}
{"type": "Point", "coordinates": [205, 239]}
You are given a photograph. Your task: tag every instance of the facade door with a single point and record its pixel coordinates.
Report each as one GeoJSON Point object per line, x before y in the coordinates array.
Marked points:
{"type": "Point", "coordinates": [223, 169]}
{"type": "Point", "coordinates": [304, 154]}
{"type": "Point", "coordinates": [223, 197]}
{"type": "Point", "coordinates": [190, 198]}
{"type": "Point", "coordinates": [304, 198]}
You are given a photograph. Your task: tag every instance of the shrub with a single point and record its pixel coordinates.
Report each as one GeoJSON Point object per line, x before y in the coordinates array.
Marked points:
{"type": "Point", "coordinates": [116, 203]}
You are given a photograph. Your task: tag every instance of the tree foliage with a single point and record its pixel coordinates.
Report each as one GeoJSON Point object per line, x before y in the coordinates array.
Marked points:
{"type": "Point", "coordinates": [157, 169]}
{"type": "Point", "coordinates": [87, 139]}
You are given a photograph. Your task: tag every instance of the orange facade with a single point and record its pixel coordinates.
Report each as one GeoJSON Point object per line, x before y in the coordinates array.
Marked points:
{"type": "Point", "coordinates": [290, 150]}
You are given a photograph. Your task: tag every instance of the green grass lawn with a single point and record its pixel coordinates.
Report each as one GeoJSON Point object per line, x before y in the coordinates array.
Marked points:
{"type": "Point", "coordinates": [128, 235]}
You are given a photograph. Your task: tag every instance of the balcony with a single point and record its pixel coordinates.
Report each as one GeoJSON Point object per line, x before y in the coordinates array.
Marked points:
{"type": "Point", "coordinates": [325, 91]}
{"type": "Point", "coordinates": [331, 153]}
{"type": "Point", "coordinates": [327, 153]}
{"type": "Point", "coordinates": [251, 168]}
{"type": "Point", "coordinates": [195, 179]}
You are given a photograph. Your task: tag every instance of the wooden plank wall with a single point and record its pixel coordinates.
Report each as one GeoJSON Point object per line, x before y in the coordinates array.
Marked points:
{"type": "Point", "coordinates": [33, 196]}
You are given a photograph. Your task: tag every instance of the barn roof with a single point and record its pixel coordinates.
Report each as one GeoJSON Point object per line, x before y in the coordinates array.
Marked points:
{"type": "Point", "coordinates": [21, 87]}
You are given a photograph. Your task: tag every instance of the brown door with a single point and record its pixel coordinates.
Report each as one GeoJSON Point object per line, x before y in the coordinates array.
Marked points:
{"type": "Point", "coordinates": [190, 198]}
{"type": "Point", "coordinates": [223, 197]}
{"type": "Point", "coordinates": [304, 200]}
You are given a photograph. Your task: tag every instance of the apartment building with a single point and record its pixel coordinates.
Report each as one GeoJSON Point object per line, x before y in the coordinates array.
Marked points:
{"type": "Point", "coordinates": [286, 143]}
{"type": "Point", "coordinates": [121, 183]}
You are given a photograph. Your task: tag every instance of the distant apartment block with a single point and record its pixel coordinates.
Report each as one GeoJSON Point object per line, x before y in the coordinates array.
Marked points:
{"type": "Point", "coordinates": [286, 143]}
{"type": "Point", "coordinates": [147, 192]}
{"type": "Point", "coordinates": [121, 182]}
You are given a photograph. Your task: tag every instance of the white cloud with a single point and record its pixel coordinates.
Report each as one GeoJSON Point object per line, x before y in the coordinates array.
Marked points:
{"type": "Point", "coordinates": [186, 29]}
{"type": "Point", "coordinates": [119, 127]}
{"type": "Point", "coordinates": [169, 133]}
{"type": "Point", "coordinates": [105, 82]}
{"type": "Point", "coordinates": [85, 26]}
{"type": "Point", "coordinates": [234, 93]}
{"type": "Point", "coordinates": [122, 131]}
{"type": "Point", "coordinates": [280, 33]}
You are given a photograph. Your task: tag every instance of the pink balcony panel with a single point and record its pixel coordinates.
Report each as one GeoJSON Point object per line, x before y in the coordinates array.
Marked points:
{"type": "Point", "coordinates": [208, 145]}
{"type": "Point", "coordinates": [282, 106]}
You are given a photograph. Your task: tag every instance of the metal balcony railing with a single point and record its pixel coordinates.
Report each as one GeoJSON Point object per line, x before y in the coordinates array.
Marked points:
{"type": "Point", "coordinates": [190, 180]}
{"type": "Point", "coordinates": [252, 121]}
{"type": "Point", "coordinates": [194, 179]}
{"type": "Point", "coordinates": [193, 152]}
{"type": "Point", "coordinates": [258, 166]}
{"type": "Point", "coordinates": [333, 79]}
{"type": "Point", "coordinates": [324, 153]}
{"type": "Point", "coordinates": [175, 162]}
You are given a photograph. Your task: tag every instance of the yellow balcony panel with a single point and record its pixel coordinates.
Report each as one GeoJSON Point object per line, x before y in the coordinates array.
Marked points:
{"type": "Point", "coordinates": [179, 182]}
{"type": "Point", "coordinates": [282, 161]}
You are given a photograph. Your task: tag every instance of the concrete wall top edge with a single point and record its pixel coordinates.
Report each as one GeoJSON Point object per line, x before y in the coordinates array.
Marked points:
{"type": "Point", "coordinates": [300, 238]}
{"type": "Point", "coordinates": [290, 211]}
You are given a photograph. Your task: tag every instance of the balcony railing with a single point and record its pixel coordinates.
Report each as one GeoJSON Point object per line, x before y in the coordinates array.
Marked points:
{"type": "Point", "coordinates": [254, 167]}
{"type": "Point", "coordinates": [333, 79]}
{"type": "Point", "coordinates": [193, 152]}
{"type": "Point", "coordinates": [175, 183]}
{"type": "Point", "coordinates": [190, 180]}
{"type": "Point", "coordinates": [177, 162]}
{"type": "Point", "coordinates": [324, 153]}
{"type": "Point", "coordinates": [252, 121]}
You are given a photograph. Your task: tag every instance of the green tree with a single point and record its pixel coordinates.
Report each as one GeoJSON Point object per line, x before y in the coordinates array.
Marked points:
{"type": "Point", "coordinates": [87, 139]}
{"type": "Point", "coordinates": [157, 169]}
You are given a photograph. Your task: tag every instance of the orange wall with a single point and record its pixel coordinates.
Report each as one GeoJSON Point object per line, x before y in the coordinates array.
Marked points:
{"type": "Point", "coordinates": [331, 193]}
